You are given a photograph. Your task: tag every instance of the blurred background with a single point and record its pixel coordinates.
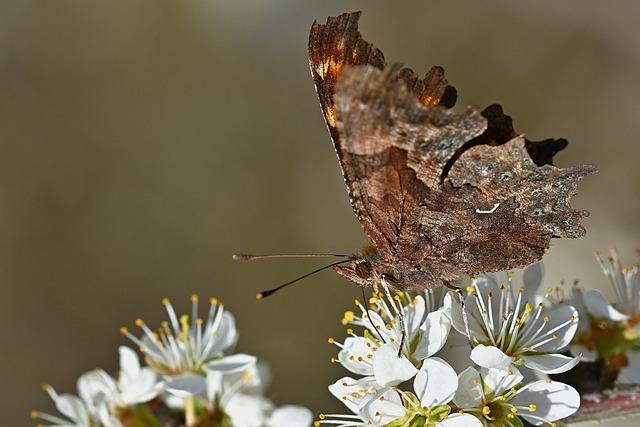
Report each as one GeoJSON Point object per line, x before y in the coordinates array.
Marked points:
{"type": "Point", "coordinates": [144, 142]}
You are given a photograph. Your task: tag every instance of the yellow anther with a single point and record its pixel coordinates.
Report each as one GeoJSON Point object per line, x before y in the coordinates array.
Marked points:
{"type": "Point", "coordinates": [555, 336]}
{"type": "Point", "coordinates": [165, 301]}
{"type": "Point", "coordinates": [330, 340]}
{"type": "Point", "coordinates": [521, 290]}
{"type": "Point", "coordinates": [486, 410]}
{"type": "Point", "coordinates": [124, 330]}
{"type": "Point", "coordinates": [532, 407]}
{"type": "Point", "coordinates": [348, 317]}
{"type": "Point", "coordinates": [545, 318]}
{"type": "Point", "coordinates": [194, 298]}
{"type": "Point", "coordinates": [139, 322]}
{"type": "Point", "coordinates": [548, 380]}
{"type": "Point", "coordinates": [514, 409]}
{"type": "Point", "coordinates": [349, 331]}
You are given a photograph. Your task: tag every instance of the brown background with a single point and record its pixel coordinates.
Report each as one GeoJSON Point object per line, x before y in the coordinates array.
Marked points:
{"type": "Point", "coordinates": [142, 143]}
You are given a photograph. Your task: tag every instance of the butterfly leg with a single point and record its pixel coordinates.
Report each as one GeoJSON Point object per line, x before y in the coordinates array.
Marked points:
{"type": "Point", "coordinates": [465, 318]}
{"type": "Point", "coordinates": [373, 326]}
{"type": "Point", "coordinates": [399, 311]}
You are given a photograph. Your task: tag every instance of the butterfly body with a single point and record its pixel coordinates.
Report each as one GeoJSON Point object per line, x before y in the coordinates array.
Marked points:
{"type": "Point", "coordinates": [439, 193]}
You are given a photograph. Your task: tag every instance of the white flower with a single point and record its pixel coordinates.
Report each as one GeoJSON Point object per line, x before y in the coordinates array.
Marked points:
{"type": "Point", "coordinates": [239, 396]}
{"type": "Point", "coordinates": [625, 283]}
{"type": "Point", "coordinates": [375, 353]}
{"type": "Point", "coordinates": [434, 386]}
{"type": "Point", "coordinates": [508, 329]}
{"type": "Point", "coordinates": [75, 409]}
{"type": "Point", "coordinates": [134, 385]}
{"type": "Point", "coordinates": [497, 397]}
{"type": "Point", "coordinates": [185, 348]}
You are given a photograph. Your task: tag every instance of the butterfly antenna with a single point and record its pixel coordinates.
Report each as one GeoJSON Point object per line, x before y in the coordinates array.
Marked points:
{"type": "Point", "coordinates": [264, 294]}
{"type": "Point", "coordinates": [251, 257]}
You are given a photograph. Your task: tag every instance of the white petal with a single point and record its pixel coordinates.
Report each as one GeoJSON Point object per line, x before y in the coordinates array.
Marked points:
{"type": "Point", "coordinates": [290, 416]}
{"type": "Point", "coordinates": [129, 362]}
{"type": "Point", "coordinates": [381, 407]}
{"type": "Point", "coordinates": [584, 353]}
{"type": "Point", "coordinates": [598, 306]}
{"type": "Point", "coordinates": [500, 381]}
{"type": "Point", "coordinates": [553, 400]}
{"type": "Point", "coordinates": [434, 334]}
{"type": "Point", "coordinates": [469, 393]}
{"type": "Point", "coordinates": [531, 281]}
{"type": "Point", "coordinates": [460, 420]}
{"type": "Point", "coordinates": [225, 337]}
{"type": "Point", "coordinates": [389, 369]}
{"type": "Point", "coordinates": [247, 410]}
{"type": "Point", "coordinates": [414, 315]}
{"type": "Point", "coordinates": [457, 320]}
{"type": "Point", "coordinates": [355, 355]}
{"type": "Point", "coordinates": [550, 363]}
{"type": "Point", "coordinates": [631, 373]}
{"type": "Point", "coordinates": [350, 391]}
{"type": "Point", "coordinates": [70, 406]}
{"type": "Point", "coordinates": [143, 389]}
{"type": "Point", "coordinates": [436, 382]}
{"type": "Point", "coordinates": [185, 385]}
{"type": "Point", "coordinates": [233, 363]}
{"type": "Point", "coordinates": [563, 336]}
{"type": "Point", "coordinates": [491, 357]}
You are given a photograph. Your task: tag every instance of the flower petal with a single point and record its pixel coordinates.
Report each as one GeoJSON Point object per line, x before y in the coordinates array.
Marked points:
{"type": "Point", "coordinates": [559, 321]}
{"type": "Point", "coordinates": [290, 416]}
{"type": "Point", "coordinates": [389, 369]}
{"type": "Point", "coordinates": [460, 420]}
{"type": "Point", "coordinates": [356, 355]}
{"type": "Point", "coordinates": [631, 373]}
{"type": "Point", "coordinates": [598, 306]}
{"type": "Point", "coordinates": [185, 385]}
{"type": "Point", "coordinates": [469, 393]}
{"type": "Point", "coordinates": [584, 353]}
{"type": "Point", "coordinates": [382, 407]}
{"type": "Point", "coordinates": [434, 334]}
{"type": "Point", "coordinates": [550, 363]}
{"type": "Point", "coordinates": [552, 401]}
{"type": "Point", "coordinates": [350, 391]}
{"type": "Point", "coordinates": [490, 357]}
{"type": "Point", "coordinates": [233, 363]}
{"type": "Point", "coordinates": [436, 382]}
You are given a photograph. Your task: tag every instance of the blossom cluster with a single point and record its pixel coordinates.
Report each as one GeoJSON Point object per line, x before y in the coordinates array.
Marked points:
{"type": "Point", "coordinates": [608, 335]}
{"type": "Point", "coordinates": [192, 378]}
{"type": "Point", "coordinates": [400, 360]}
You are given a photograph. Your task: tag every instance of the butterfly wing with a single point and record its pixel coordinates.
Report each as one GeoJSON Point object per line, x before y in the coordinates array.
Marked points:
{"type": "Point", "coordinates": [494, 208]}
{"type": "Point", "coordinates": [336, 45]}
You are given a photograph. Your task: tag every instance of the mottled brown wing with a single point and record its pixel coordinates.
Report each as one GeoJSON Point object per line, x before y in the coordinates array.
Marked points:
{"type": "Point", "coordinates": [496, 209]}
{"type": "Point", "coordinates": [332, 46]}
{"type": "Point", "coordinates": [338, 44]}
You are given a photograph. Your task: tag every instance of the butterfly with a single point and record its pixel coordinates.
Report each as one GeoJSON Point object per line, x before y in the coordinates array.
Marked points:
{"type": "Point", "coordinates": [440, 194]}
